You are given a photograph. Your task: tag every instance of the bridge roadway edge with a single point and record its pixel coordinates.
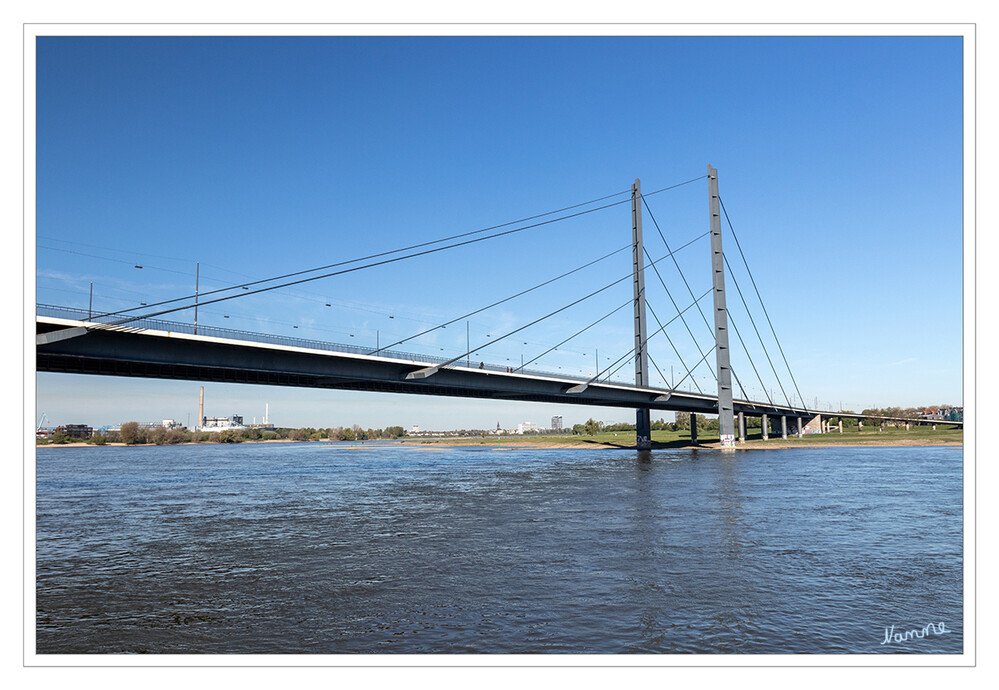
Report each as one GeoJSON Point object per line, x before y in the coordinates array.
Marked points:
{"type": "Point", "coordinates": [153, 354]}
{"type": "Point", "coordinates": [143, 353]}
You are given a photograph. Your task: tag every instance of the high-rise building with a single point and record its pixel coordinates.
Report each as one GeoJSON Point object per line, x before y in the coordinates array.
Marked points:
{"type": "Point", "coordinates": [557, 423]}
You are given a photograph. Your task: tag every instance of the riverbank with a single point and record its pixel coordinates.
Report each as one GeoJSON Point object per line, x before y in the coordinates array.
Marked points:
{"type": "Point", "coordinates": [891, 437]}
{"type": "Point", "coordinates": [82, 444]}
{"type": "Point", "coordinates": [660, 441]}
{"type": "Point", "coordinates": [756, 444]}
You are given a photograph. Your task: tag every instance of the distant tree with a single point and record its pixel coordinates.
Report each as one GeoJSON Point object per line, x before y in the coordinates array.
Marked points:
{"type": "Point", "coordinates": [870, 415]}
{"type": "Point", "coordinates": [158, 435]}
{"type": "Point", "coordinates": [229, 436]}
{"type": "Point", "coordinates": [130, 433]}
{"type": "Point", "coordinates": [683, 420]}
{"type": "Point", "coordinates": [592, 427]}
{"type": "Point", "coordinates": [59, 437]}
{"type": "Point", "coordinates": [298, 434]}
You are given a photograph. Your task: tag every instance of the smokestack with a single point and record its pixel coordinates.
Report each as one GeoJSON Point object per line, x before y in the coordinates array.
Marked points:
{"type": "Point", "coordinates": [201, 407]}
{"type": "Point", "coordinates": [267, 412]}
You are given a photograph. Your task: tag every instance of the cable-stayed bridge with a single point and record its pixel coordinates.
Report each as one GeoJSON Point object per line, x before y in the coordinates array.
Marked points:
{"type": "Point", "coordinates": [137, 342]}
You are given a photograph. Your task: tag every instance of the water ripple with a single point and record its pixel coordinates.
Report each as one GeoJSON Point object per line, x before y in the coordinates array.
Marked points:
{"type": "Point", "coordinates": [301, 548]}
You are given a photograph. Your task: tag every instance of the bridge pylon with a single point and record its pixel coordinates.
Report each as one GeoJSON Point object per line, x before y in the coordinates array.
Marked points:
{"type": "Point", "coordinates": [643, 424]}
{"type": "Point", "coordinates": [726, 418]}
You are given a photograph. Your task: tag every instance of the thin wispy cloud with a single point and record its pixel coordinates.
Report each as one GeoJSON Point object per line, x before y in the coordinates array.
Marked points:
{"type": "Point", "coordinates": [903, 361]}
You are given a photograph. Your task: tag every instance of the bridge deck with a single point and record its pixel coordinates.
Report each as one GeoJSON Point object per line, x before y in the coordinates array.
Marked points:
{"type": "Point", "coordinates": [172, 351]}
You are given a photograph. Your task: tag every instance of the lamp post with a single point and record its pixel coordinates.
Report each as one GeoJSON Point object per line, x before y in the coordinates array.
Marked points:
{"type": "Point", "coordinates": [197, 277]}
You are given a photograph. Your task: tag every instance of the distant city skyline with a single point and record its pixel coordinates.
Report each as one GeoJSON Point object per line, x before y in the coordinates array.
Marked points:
{"type": "Point", "coordinates": [237, 159]}
{"type": "Point", "coordinates": [370, 410]}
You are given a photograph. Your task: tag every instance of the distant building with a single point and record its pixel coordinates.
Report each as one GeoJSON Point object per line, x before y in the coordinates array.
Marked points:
{"type": "Point", "coordinates": [222, 423]}
{"type": "Point", "coordinates": [557, 423]}
{"type": "Point", "coordinates": [75, 430]}
{"type": "Point", "coordinates": [526, 426]}
{"type": "Point", "coordinates": [414, 430]}
{"type": "Point", "coordinates": [944, 414]}
{"type": "Point", "coordinates": [167, 424]}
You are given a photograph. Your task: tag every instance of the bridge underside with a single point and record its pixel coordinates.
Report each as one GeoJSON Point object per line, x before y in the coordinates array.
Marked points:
{"type": "Point", "coordinates": [165, 355]}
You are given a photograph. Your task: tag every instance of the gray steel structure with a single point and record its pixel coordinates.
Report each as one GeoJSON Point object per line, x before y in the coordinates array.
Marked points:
{"type": "Point", "coordinates": [643, 425]}
{"type": "Point", "coordinates": [168, 350]}
{"type": "Point", "coordinates": [72, 342]}
{"type": "Point", "coordinates": [726, 423]}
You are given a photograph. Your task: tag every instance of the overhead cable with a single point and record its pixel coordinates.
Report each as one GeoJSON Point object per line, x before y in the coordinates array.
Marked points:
{"type": "Point", "coordinates": [507, 299]}
{"type": "Point", "coordinates": [395, 251]}
{"type": "Point", "coordinates": [557, 311]}
{"type": "Point", "coordinates": [772, 330]}
{"type": "Point", "coordinates": [760, 338]}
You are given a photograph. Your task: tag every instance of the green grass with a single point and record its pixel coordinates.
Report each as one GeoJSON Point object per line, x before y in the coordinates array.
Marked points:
{"type": "Point", "coordinates": [681, 439]}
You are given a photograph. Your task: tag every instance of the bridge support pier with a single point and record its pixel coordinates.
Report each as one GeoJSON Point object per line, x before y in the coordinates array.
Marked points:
{"type": "Point", "coordinates": [801, 427]}
{"type": "Point", "coordinates": [783, 426]}
{"type": "Point", "coordinates": [643, 429]}
{"type": "Point", "coordinates": [818, 417]}
{"type": "Point", "coordinates": [693, 429]}
{"type": "Point", "coordinates": [841, 425]}
{"type": "Point", "coordinates": [742, 427]}
{"type": "Point", "coordinates": [765, 426]}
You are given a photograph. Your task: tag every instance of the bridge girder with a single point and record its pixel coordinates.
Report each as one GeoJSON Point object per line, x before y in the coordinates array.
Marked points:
{"type": "Point", "coordinates": [146, 353]}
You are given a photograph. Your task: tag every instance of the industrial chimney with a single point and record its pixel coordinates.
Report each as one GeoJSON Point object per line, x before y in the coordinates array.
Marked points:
{"type": "Point", "coordinates": [201, 407]}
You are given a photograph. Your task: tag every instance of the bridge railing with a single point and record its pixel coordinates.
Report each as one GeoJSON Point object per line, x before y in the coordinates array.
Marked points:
{"type": "Point", "coordinates": [75, 314]}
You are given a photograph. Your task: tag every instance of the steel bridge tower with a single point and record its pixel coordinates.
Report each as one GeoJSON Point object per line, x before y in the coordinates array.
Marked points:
{"type": "Point", "coordinates": [726, 418]}
{"type": "Point", "coordinates": [643, 425]}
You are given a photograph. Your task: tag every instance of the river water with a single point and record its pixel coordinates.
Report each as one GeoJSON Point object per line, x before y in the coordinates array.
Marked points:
{"type": "Point", "coordinates": [308, 548]}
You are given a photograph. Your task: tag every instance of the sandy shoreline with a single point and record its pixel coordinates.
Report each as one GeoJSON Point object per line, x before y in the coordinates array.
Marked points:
{"type": "Point", "coordinates": [80, 444]}
{"type": "Point", "coordinates": [760, 445]}
{"type": "Point", "coordinates": [540, 445]}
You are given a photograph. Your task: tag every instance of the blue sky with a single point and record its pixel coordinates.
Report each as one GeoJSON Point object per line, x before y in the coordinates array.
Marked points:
{"type": "Point", "coordinates": [840, 164]}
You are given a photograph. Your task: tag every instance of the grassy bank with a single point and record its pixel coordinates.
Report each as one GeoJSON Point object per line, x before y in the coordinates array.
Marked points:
{"type": "Point", "coordinates": [916, 436]}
